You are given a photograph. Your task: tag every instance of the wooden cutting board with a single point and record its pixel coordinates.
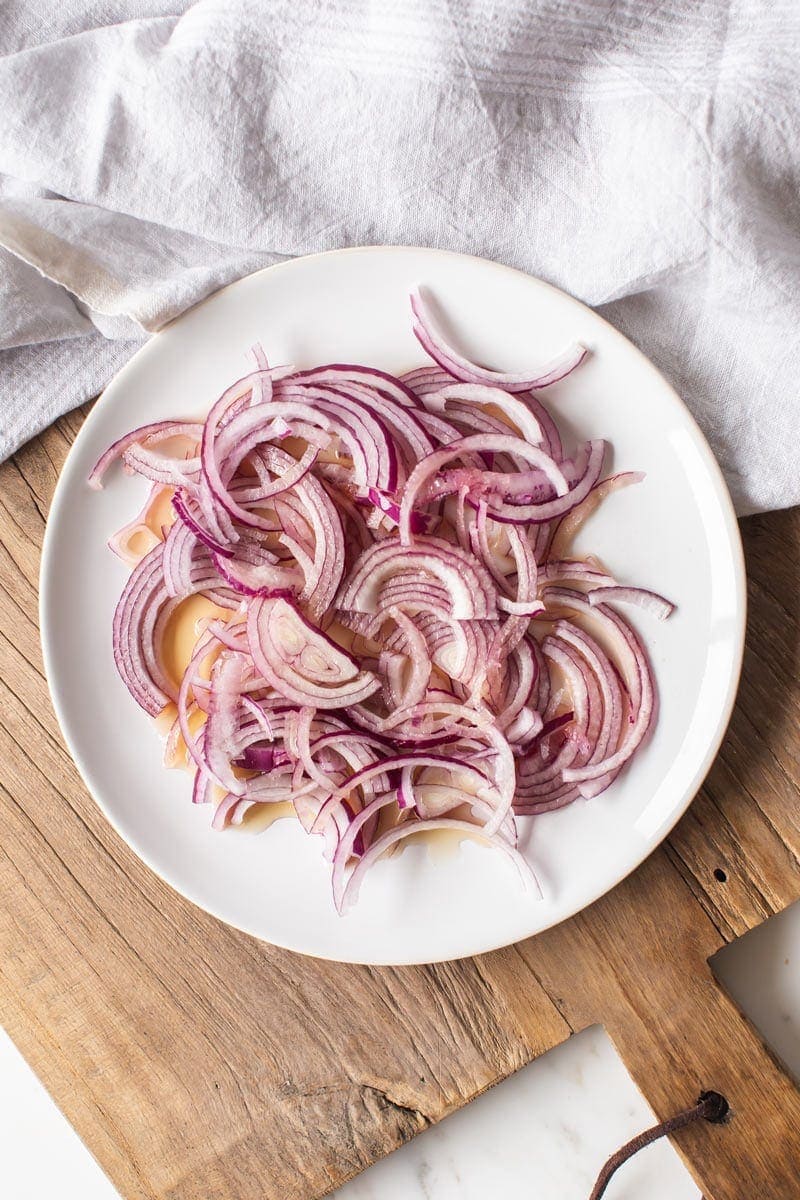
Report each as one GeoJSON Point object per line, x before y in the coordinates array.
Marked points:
{"type": "Point", "coordinates": [200, 1064]}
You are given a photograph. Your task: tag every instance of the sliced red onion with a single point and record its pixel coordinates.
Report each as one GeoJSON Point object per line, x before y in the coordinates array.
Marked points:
{"type": "Point", "coordinates": [432, 464]}
{"type": "Point", "coordinates": [611, 700]}
{"type": "Point", "coordinates": [450, 360]}
{"type": "Point", "coordinates": [135, 618]}
{"type": "Point", "coordinates": [424, 380]}
{"type": "Point", "coordinates": [300, 662]}
{"type": "Point", "coordinates": [408, 673]}
{"type": "Point", "coordinates": [143, 438]}
{"type": "Point", "coordinates": [563, 570]}
{"type": "Point", "coordinates": [400, 652]}
{"type": "Point", "coordinates": [343, 373]}
{"type": "Point", "coordinates": [256, 571]}
{"type": "Point", "coordinates": [464, 580]}
{"type": "Point", "coordinates": [650, 601]}
{"type": "Point", "coordinates": [517, 413]}
{"type": "Point", "coordinates": [547, 510]}
{"type": "Point", "coordinates": [222, 725]}
{"type": "Point", "coordinates": [399, 832]}
{"type": "Point", "coordinates": [635, 669]}
{"type": "Point", "coordinates": [222, 455]}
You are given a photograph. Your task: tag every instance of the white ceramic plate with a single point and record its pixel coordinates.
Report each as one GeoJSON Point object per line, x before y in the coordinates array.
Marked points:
{"type": "Point", "coordinates": [675, 533]}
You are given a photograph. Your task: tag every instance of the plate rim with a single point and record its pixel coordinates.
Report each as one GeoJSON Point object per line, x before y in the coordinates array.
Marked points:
{"type": "Point", "coordinates": [721, 494]}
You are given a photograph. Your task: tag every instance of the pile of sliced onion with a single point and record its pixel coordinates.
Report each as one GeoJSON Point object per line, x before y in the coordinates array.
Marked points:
{"type": "Point", "coordinates": [400, 639]}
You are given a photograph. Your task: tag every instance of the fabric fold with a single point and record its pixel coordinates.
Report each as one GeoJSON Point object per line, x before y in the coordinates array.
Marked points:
{"type": "Point", "coordinates": [640, 155]}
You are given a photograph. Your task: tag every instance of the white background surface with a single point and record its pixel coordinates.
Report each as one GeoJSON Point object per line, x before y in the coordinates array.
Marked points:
{"type": "Point", "coordinates": [542, 1134]}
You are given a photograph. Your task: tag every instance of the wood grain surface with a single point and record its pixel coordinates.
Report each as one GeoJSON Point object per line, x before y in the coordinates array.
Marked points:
{"type": "Point", "coordinates": [200, 1064]}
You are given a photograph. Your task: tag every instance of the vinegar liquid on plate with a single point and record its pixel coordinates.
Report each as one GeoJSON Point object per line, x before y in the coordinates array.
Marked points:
{"type": "Point", "coordinates": [182, 631]}
{"type": "Point", "coordinates": [261, 816]}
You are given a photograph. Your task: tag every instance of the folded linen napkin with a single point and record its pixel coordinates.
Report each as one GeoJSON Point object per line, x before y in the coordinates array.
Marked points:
{"type": "Point", "coordinates": [642, 155]}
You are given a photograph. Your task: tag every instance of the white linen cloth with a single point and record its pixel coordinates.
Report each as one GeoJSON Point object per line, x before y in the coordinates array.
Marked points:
{"type": "Point", "coordinates": [644, 155]}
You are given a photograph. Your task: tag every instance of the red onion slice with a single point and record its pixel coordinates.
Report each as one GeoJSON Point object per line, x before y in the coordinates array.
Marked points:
{"type": "Point", "coordinates": [450, 360]}
{"type": "Point", "coordinates": [399, 832]}
{"type": "Point", "coordinates": [144, 437]}
{"type": "Point", "coordinates": [515, 411]}
{"type": "Point", "coordinates": [430, 466]}
{"type": "Point", "coordinates": [465, 582]}
{"type": "Point", "coordinates": [634, 667]}
{"type": "Point", "coordinates": [300, 662]}
{"type": "Point", "coordinates": [400, 651]}
{"type": "Point", "coordinates": [650, 601]}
